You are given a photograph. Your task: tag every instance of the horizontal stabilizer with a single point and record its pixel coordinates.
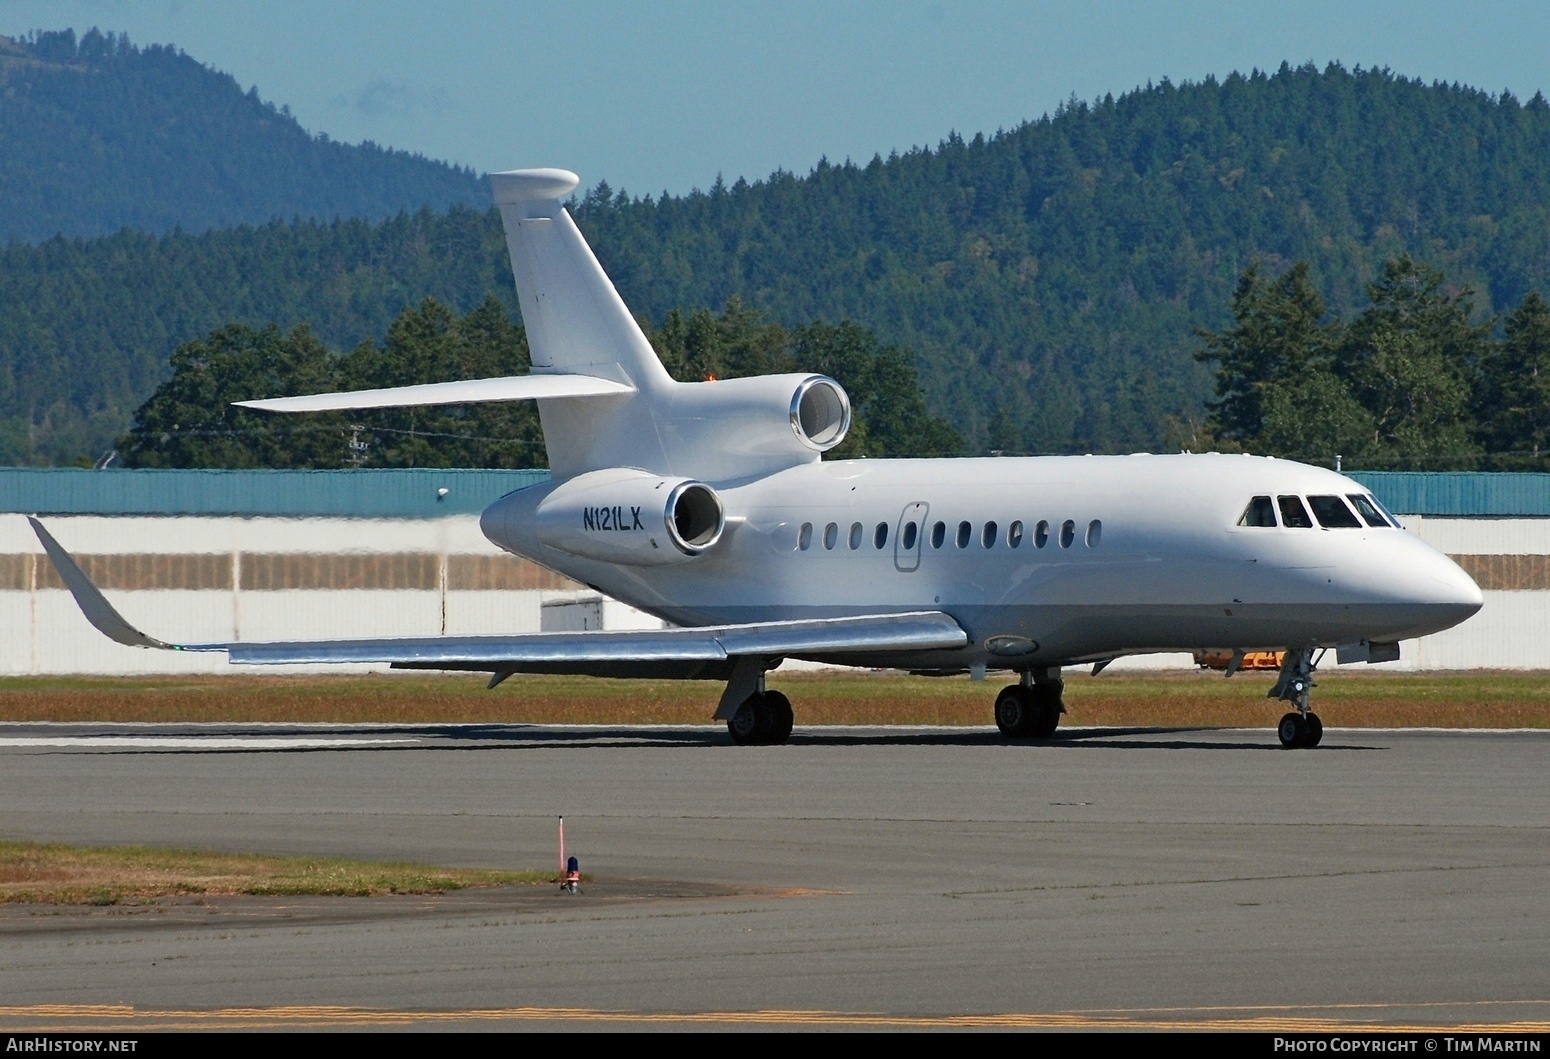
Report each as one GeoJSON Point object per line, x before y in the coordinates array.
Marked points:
{"type": "Point", "coordinates": [93, 604]}
{"type": "Point", "coordinates": [471, 391]}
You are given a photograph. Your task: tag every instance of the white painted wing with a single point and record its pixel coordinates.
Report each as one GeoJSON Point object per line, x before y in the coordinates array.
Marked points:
{"type": "Point", "coordinates": [587, 652]}
{"type": "Point", "coordinates": [666, 651]}
{"type": "Point", "coordinates": [471, 391]}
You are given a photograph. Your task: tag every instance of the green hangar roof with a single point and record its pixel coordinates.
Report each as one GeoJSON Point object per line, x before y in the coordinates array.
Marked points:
{"type": "Point", "coordinates": [416, 493]}
{"type": "Point", "coordinates": [431, 493]}
{"type": "Point", "coordinates": [1460, 494]}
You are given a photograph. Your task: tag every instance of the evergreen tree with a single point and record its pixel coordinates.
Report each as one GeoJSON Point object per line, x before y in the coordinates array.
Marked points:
{"type": "Point", "coordinates": [1514, 394]}
{"type": "Point", "coordinates": [190, 420]}
{"type": "Point", "coordinates": [1276, 389]}
{"type": "Point", "coordinates": [428, 343]}
{"type": "Point", "coordinates": [1410, 358]}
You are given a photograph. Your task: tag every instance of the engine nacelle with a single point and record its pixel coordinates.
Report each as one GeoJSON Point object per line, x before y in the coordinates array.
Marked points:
{"type": "Point", "coordinates": [629, 516]}
{"type": "Point", "coordinates": [745, 426]}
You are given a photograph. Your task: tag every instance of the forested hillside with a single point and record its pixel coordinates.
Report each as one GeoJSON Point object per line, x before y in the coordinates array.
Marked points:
{"type": "Point", "coordinates": [97, 134]}
{"type": "Point", "coordinates": [191, 421]}
{"type": "Point", "coordinates": [1049, 279]}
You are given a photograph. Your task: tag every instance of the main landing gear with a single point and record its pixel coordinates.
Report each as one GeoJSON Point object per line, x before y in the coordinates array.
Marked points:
{"type": "Point", "coordinates": [1301, 728]}
{"type": "Point", "coordinates": [763, 719]}
{"type": "Point", "coordinates": [1030, 710]}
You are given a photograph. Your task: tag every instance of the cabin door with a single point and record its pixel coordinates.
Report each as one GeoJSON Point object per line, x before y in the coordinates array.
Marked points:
{"type": "Point", "coordinates": [909, 536]}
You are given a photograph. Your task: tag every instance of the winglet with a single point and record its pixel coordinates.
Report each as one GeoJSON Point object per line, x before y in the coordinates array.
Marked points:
{"type": "Point", "coordinates": [93, 604]}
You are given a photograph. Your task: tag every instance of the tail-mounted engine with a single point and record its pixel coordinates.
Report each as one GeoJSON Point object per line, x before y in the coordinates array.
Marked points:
{"type": "Point", "coordinates": [628, 516]}
{"type": "Point", "coordinates": [735, 427]}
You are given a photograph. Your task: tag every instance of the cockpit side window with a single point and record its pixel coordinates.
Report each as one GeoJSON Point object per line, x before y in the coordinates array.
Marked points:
{"type": "Point", "coordinates": [1332, 513]}
{"type": "Point", "coordinates": [1293, 514]}
{"type": "Point", "coordinates": [1381, 506]}
{"type": "Point", "coordinates": [1370, 512]}
{"type": "Point", "coordinates": [1260, 512]}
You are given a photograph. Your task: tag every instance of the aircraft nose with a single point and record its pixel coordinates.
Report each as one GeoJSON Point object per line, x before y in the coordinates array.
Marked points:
{"type": "Point", "coordinates": [1457, 596]}
{"type": "Point", "coordinates": [1420, 589]}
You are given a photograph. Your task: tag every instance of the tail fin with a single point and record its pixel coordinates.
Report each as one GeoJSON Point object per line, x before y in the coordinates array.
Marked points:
{"type": "Point", "coordinates": [604, 398]}
{"type": "Point", "coordinates": [576, 322]}
{"type": "Point", "coordinates": [578, 325]}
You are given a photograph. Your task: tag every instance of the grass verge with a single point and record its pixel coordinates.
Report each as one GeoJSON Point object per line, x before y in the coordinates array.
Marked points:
{"type": "Point", "coordinates": [33, 873]}
{"type": "Point", "coordinates": [1344, 698]}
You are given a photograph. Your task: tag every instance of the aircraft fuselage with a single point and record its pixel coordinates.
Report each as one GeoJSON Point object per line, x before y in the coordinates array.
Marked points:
{"type": "Point", "coordinates": [1044, 561]}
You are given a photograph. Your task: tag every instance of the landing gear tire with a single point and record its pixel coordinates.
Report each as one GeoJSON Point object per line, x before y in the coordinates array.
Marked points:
{"type": "Point", "coordinates": [1297, 730]}
{"type": "Point", "coordinates": [781, 717]}
{"type": "Point", "coordinates": [1015, 714]}
{"type": "Point", "coordinates": [750, 725]}
{"type": "Point", "coordinates": [762, 720]}
{"type": "Point", "coordinates": [1046, 698]}
{"type": "Point", "coordinates": [1028, 713]}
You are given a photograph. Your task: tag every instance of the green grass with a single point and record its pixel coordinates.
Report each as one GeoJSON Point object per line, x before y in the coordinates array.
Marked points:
{"type": "Point", "coordinates": [34, 873]}
{"type": "Point", "coordinates": [1344, 698]}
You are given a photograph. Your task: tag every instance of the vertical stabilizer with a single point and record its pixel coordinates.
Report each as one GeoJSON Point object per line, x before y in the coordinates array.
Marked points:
{"type": "Point", "coordinates": [576, 322]}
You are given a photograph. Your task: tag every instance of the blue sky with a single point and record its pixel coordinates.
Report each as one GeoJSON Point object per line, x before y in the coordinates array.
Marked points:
{"type": "Point", "coordinates": [665, 95]}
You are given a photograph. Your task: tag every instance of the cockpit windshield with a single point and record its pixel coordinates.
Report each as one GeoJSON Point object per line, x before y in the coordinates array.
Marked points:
{"type": "Point", "coordinates": [1293, 514]}
{"type": "Point", "coordinates": [1260, 512]}
{"type": "Point", "coordinates": [1373, 513]}
{"type": "Point", "coordinates": [1332, 513]}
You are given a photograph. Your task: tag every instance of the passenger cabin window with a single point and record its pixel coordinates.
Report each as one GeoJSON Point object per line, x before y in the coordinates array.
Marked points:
{"type": "Point", "coordinates": [1041, 534]}
{"type": "Point", "coordinates": [831, 535]}
{"type": "Point", "coordinates": [855, 535]}
{"type": "Point", "coordinates": [1067, 533]}
{"type": "Point", "coordinates": [1369, 511]}
{"type": "Point", "coordinates": [1260, 512]}
{"type": "Point", "coordinates": [938, 534]}
{"type": "Point", "coordinates": [1094, 532]}
{"type": "Point", "coordinates": [880, 536]}
{"type": "Point", "coordinates": [964, 530]}
{"type": "Point", "coordinates": [1014, 535]}
{"type": "Point", "coordinates": [805, 536]}
{"type": "Point", "coordinates": [1293, 514]}
{"type": "Point", "coordinates": [907, 541]}
{"type": "Point", "coordinates": [1332, 513]}
{"type": "Point", "coordinates": [988, 535]}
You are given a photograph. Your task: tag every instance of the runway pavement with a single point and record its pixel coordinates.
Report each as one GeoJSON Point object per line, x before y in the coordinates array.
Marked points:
{"type": "Point", "coordinates": [856, 878]}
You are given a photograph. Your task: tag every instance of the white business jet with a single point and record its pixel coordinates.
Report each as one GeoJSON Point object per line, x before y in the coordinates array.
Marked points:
{"type": "Point", "coordinates": [708, 504]}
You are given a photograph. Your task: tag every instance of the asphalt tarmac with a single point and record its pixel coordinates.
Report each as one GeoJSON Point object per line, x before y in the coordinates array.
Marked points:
{"type": "Point", "coordinates": [856, 878]}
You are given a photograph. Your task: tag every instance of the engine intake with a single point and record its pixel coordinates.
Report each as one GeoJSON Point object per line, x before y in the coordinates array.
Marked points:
{"type": "Point", "coordinates": [820, 413]}
{"type": "Point", "coordinates": [629, 516]}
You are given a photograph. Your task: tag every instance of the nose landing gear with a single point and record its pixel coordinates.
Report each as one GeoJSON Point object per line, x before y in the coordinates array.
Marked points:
{"type": "Point", "coordinates": [1301, 728]}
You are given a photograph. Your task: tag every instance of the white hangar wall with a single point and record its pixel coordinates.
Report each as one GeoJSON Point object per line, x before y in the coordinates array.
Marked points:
{"type": "Point", "coordinates": [1509, 558]}
{"type": "Point", "coordinates": [200, 579]}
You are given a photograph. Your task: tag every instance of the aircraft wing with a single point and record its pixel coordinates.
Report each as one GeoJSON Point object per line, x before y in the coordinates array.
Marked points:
{"type": "Point", "coordinates": [708, 651]}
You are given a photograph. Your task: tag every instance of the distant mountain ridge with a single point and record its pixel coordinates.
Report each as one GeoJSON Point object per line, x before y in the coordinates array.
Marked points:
{"type": "Point", "coordinates": [1048, 278]}
{"type": "Point", "coordinates": [97, 135]}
